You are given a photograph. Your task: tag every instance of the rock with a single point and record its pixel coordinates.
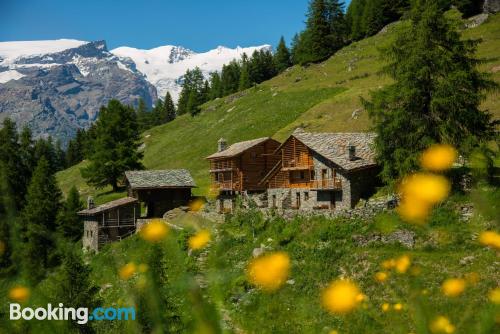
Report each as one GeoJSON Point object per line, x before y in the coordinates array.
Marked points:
{"type": "Point", "coordinates": [355, 113]}
{"type": "Point", "coordinates": [290, 282]}
{"type": "Point", "coordinates": [467, 260]}
{"type": "Point", "coordinates": [491, 6]}
{"type": "Point", "coordinates": [404, 237]}
{"type": "Point", "coordinates": [476, 20]}
{"type": "Point", "coordinates": [105, 287]}
{"type": "Point", "coordinates": [297, 79]}
{"type": "Point", "coordinates": [495, 69]}
{"type": "Point", "coordinates": [258, 251]}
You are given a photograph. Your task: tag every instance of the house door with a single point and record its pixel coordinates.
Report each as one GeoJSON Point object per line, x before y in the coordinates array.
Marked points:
{"type": "Point", "coordinates": [324, 177]}
{"type": "Point", "coordinates": [298, 200]}
{"type": "Point", "coordinates": [274, 201]}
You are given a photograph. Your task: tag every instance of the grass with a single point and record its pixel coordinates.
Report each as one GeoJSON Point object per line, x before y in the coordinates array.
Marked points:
{"type": "Point", "coordinates": [320, 97]}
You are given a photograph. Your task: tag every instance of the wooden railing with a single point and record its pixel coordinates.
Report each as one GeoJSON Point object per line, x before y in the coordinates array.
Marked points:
{"type": "Point", "coordinates": [297, 164]}
{"type": "Point", "coordinates": [327, 184]}
{"type": "Point", "coordinates": [222, 165]}
{"type": "Point", "coordinates": [226, 185]}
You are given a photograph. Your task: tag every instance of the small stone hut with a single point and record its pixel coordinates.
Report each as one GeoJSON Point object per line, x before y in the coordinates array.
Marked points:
{"type": "Point", "coordinates": [160, 190]}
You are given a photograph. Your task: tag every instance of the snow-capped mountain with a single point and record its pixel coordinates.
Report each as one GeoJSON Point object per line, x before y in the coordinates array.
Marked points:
{"type": "Point", "coordinates": [58, 86]}
{"type": "Point", "coordinates": [164, 66]}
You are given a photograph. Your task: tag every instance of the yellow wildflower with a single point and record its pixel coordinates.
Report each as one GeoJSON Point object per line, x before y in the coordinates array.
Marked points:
{"type": "Point", "coordinates": [389, 264]}
{"type": "Point", "coordinates": [441, 324]}
{"type": "Point", "coordinates": [381, 276]}
{"type": "Point", "coordinates": [490, 238]}
{"type": "Point", "coordinates": [196, 205]}
{"type": "Point", "coordinates": [333, 332]}
{"type": "Point", "coordinates": [453, 287]}
{"type": "Point", "coordinates": [494, 296]}
{"type": "Point", "coordinates": [155, 231]}
{"type": "Point", "coordinates": [424, 187]}
{"type": "Point", "coordinates": [472, 278]}
{"type": "Point", "coordinates": [438, 157]}
{"type": "Point", "coordinates": [127, 271]}
{"type": "Point", "coordinates": [19, 294]}
{"type": "Point", "coordinates": [270, 271]}
{"type": "Point", "coordinates": [199, 240]}
{"type": "Point", "coordinates": [341, 297]}
{"type": "Point", "coordinates": [360, 297]}
{"type": "Point", "coordinates": [398, 307]}
{"type": "Point", "coordinates": [143, 267]}
{"type": "Point", "coordinates": [402, 264]}
{"type": "Point", "coordinates": [414, 211]}
{"type": "Point", "coordinates": [385, 307]}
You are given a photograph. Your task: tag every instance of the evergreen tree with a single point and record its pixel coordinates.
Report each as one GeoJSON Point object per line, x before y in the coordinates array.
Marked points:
{"type": "Point", "coordinates": [76, 148]}
{"type": "Point", "coordinates": [38, 223]}
{"type": "Point", "coordinates": [144, 118]}
{"type": "Point", "coordinates": [169, 107]}
{"type": "Point", "coordinates": [72, 286]}
{"type": "Point", "coordinates": [115, 146]}
{"type": "Point", "coordinates": [6, 215]}
{"type": "Point", "coordinates": [295, 50]}
{"type": "Point", "coordinates": [230, 77]}
{"type": "Point", "coordinates": [215, 86]}
{"type": "Point", "coordinates": [244, 81]}
{"type": "Point", "coordinates": [69, 224]}
{"type": "Point", "coordinates": [436, 94]}
{"type": "Point", "coordinates": [373, 17]}
{"type": "Point", "coordinates": [191, 96]}
{"type": "Point", "coordinates": [282, 59]}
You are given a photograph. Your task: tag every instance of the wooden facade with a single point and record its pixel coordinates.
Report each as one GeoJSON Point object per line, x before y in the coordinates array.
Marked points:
{"type": "Point", "coordinates": [296, 169]}
{"type": "Point", "coordinates": [242, 169]}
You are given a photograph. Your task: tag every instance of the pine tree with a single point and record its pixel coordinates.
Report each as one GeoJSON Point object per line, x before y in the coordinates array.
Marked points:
{"type": "Point", "coordinates": [436, 95]}
{"type": "Point", "coordinates": [191, 96]}
{"type": "Point", "coordinates": [215, 86]}
{"type": "Point", "coordinates": [295, 49]}
{"type": "Point", "coordinates": [244, 81]}
{"type": "Point", "coordinates": [230, 77]}
{"type": "Point", "coordinates": [38, 223]}
{"type": "Point", "coordinates": [338, 25]}
{"type": "Point", "coordinates": [69, 224]}
{"type": "Point", "coordinates": [282, 59]}
{"type": "Point", "coordinates": [144, 118]}
{"type": "Point", "coordinates": [115, 146]}
{"type": "Point", "coordinates": [373, 17]}
{"type": "Point", "coordinates": [169, 107]}
{"type": "Point", "coordinates": [6, 215]}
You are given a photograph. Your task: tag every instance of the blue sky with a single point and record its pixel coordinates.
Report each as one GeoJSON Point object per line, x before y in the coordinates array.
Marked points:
{"type": "Point", "coordinates": [197, 25]}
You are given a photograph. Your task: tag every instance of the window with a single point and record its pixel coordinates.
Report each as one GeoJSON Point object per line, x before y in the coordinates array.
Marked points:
{"type": "Point", "coordinates": [313, 175]}
{"type": "Point", "coordinates": [306, 196]}
{"type": "Point", "coordinates": [302, 175]}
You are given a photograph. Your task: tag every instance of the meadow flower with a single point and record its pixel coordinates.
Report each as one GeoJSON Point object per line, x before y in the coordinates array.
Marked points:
{"type": "Point", "coordinates": [402, 264]}
{"type": "Point", "coordinates": [472, 278]}
{"type": "Point", "coordinates": [414, 211]}
{"type": "Point", "coordinates": [196, 205]}
{"type": "Point", "coordinates": [19, 293]}
{"type": "Point", "coordinates": [441, 324]}
{"type": "Point", "coordinates": [425, 187]}
{"type": "Point", "coordinates": [143, 267]}
{"type": "Point", "coordinates": [341, 297]}
{"type": "Point", "coordinates": [494, 296]}
{"type": "Point", "coordinates": [398, 307]}
{"type": "Point", "coordinates": [155, 231]}
{"type": "Point", "coordinates": [453, 287]}
{"type": "Point", "coordinates": [385, 307]}
{"type": "Point", "coordinates": [438, 157]}
{"type": "Point", "coordinates": [199, 240]}
{"type": "Point", "coordinates": [269, 271]}
{"type": "Point", "coordinates": [127, 271]}
{"type": "Point", "coordinates": [381, 276]}
{"type": "Point", "coordinates": [490, 238]}
{"type": "Point", "coordinates": [388, 264]}
{"type": "Point", "coordinates": [333, 332]}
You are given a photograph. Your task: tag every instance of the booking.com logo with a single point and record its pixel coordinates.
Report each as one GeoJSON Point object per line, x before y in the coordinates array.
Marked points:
{"type": "Point", "coordinates": [81, 315]}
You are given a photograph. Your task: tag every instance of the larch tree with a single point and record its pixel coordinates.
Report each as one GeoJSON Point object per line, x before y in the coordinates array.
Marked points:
{"type": "Point", "coordinates": [282, 59]}
{"type": "Point", "coordinates": [116, 146]}
{"type": "Point", "coordinates": [169, 108]}
{"type": "Point", "coordinates": [69, 225]}
{"type": "Point", "coordinates": [436, 94]}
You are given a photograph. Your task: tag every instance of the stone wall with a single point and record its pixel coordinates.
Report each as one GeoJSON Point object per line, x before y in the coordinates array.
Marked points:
{"type": "Point", "coordinates": [90, 235]}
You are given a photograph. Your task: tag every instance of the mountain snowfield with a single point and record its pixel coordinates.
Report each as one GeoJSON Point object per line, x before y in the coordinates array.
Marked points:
{"type": "Point", "coordinates": [164, 66]}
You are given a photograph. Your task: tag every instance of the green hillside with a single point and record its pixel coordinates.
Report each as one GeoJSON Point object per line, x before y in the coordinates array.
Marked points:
{"type": "Point", "coordinates": [320, 97]}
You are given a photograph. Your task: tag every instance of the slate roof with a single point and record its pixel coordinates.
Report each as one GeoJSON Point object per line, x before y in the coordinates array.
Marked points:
{"type": "Point", "coordinates": [238, 148]}
{"type": "Point", "coordinates": [334, 147]}
{"type": "Point", "coordinates": [107, 206]}
{"type": "Point", "coordinates": [171, 178]}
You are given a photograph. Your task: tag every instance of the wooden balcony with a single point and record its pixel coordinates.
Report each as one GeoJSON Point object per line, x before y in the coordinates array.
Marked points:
{"type": "Point", "coordinates": [326, 184]}
{"type": "Point", "coordinates": [226, 186]}
{"type": "Point", "coordinates": [297, 164]}
{"type": "Point", "coordinates": [222, 166]}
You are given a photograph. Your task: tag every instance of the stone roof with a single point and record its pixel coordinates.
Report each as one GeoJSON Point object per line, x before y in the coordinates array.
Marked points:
{"type": "Point", "coordinates": [238, 148]}
{"type": "Point", "coordinates": [107, 206]}
{"type": "Point", "coordinates": [334, 147]}
{"type": "Point", "coordinates": [171, 178]}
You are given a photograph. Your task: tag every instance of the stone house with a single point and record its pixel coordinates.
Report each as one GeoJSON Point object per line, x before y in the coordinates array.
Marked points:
{"type": "Point", "coordinates": [108, 222]}
{"type": "Point", "coordinates": [238, 169]}
{"type": "Point", "coordinates": [160, 190]}
{"type": "Point", "coordinates": [322, 171]}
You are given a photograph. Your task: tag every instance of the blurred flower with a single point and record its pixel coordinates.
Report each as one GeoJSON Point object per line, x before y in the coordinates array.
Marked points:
{"type": "Point", "coordinates": [425, 187]}
{"type": "Point", "coordinates": [424, 292]}
{"type": "Point", "coordinates": [19, 293]}
{"type": "Point", "coordinates": [270, 271]}
{"type": "Point", "coordinates": [490, 238]}
{"type": "Point", "coordinates": [453, 287]}
{"type": "Point", "coordinates": [385, 307]}
{"type": "Point", "coordinates": [438, 157]}
{"type": "Point", "coordinates": [472, 278]}
{"type": "Point", "coordinates": [341, 297]}
{"type": "Point", "coordinates": [402, 264]}
{"type": "Point", "coordinates": [155, 231]}
{"type": "Point", "coordinates": [414, 211]}
{"type": "Point", "coordinates": [494, 296]}
{"type": "Point", "coordinates": [441, 324]}
{"type": "Point", "coordinates": [360, 297]}
{"type": "Point", "coordinates": [141, 282]}
{"type": "Point", "coordinates": [143, 267]}
{"type": "Point", "coordinates": [381, 276]}
{"type": "Point", "coordinates": [398, 307]}
{"type": "Point", "coordinates": [127, 271]}
{"type": "Point", "coordinates": [389, 264]}
{"type": "Point", "coordinates": [196, 205]}
{"type": "Point", "coordinates": [199, 240]}
{"type": "Point", "coordinates": [333, 332]}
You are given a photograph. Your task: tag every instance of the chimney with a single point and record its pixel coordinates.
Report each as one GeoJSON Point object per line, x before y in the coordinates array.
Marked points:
{"type": "Point", "coordinates": [351, 151]}
{"type": "Point", "coordinates": [221, 145]}
{"type": "Point", "coordinates": [90, 202]}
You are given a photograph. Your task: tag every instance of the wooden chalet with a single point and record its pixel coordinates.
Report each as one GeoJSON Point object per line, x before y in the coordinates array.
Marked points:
{"type": "Point", "coordinates": [160, 190]}
{"type": "Point", "coordinates": [322, 171]}
{"type": "Point", "coordinates": [241, 166]}
{"type": "Point", "coordinates": [109, 222]}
